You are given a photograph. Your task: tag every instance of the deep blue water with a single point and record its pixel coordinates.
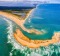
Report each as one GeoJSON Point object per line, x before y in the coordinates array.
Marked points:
{"type": "Point", "coordinates": [44, 17]}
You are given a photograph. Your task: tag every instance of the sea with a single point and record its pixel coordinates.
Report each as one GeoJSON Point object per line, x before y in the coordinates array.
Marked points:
{"type": "Point", "coordinates": [44, 18]}
{"type": "Point", "coordinates": [47, 21]}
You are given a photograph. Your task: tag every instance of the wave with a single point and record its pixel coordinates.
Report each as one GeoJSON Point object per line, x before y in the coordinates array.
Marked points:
{"type": "Point", "coordinates": [53, 49]}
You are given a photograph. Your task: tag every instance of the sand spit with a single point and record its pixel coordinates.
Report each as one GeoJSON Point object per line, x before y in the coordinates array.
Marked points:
{"type": "Point", "coordinates": [19, 21]}
{"type": "Point", "coordinates": [25, 41]}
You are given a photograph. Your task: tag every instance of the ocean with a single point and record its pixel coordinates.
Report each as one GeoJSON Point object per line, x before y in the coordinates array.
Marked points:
{"type": "Point", "coordinates": [45, 17]}
{"type": "Point", "coordinates": [10, 47]}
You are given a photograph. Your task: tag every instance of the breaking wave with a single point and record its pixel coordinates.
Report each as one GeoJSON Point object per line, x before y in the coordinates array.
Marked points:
{"type": "Point", "coordinates": [51, 50]}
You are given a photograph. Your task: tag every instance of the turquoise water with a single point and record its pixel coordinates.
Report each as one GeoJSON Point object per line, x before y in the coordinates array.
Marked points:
{"type": "Point", "coordinates": [5, 48]}
{"type": "Point", "coordinates": [7, 27]}
{"type": "Point", "coordinates": [10, 47]}
{"type": "Point", "coordinates": [44, 17]}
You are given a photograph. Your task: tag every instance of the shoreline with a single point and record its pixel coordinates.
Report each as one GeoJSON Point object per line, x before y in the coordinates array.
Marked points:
{"type": "Point", "coordinates": [20, 21]}
{"type": "Point", "coordinates": [35, 43]}
{"type": "Point", "coordinates": [25, 41]}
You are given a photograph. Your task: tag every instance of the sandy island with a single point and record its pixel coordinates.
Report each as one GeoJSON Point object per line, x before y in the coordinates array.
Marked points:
{"type": "Point", "coordinates": [25, 41]}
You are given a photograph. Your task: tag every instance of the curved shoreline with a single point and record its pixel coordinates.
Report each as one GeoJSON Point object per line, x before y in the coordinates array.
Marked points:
{"type": "Point", "coordinates": [20, 22]}
{"type": "Point", "coordinates": [25, 41]}
{"type": "Point", "coordinates": [14, 18]}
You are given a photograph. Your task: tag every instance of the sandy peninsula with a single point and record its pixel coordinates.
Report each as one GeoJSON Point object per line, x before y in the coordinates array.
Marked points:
{"type": "Point", "coordinates": [25, 41]}
{"type": "Point", "coordinates": [20, 21]}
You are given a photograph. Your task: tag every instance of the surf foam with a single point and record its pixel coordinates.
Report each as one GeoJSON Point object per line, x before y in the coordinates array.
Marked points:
{"type": "Point", "coordinates": [48, 51]}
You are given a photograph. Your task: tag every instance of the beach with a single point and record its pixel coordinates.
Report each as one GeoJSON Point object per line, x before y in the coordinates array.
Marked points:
{"type": "Point", "coordinates": [25, 41]}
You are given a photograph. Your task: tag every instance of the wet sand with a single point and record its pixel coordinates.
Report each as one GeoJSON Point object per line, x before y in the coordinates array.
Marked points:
{"type": "Point", "coordinates": [25, 41]}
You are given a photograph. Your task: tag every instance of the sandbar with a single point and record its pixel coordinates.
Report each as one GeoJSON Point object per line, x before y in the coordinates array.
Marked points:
{"type": "Point", "coordinates": [24, 40]}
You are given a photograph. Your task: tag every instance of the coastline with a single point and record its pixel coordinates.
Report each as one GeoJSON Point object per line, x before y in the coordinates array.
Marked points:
{"type": "Point", "coordinates": [35, 43]}
{"type": "Point", "coordinates": [25, 41]}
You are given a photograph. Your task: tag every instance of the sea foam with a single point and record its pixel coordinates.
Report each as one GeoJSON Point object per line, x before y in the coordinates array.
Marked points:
{"type": "Point", "coordinates": [48, 50]}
